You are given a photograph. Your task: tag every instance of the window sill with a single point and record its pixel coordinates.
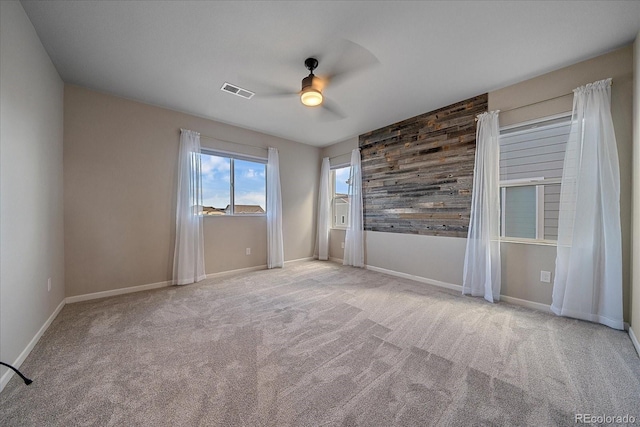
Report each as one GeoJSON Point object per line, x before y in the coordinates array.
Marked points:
{"type": "Point", "coordinates": [529, 241]}
{"type": "Point", "coordinates": [339, 228]}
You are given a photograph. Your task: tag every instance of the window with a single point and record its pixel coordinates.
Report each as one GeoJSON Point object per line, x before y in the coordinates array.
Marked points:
{"type": "Point", "coordinates": [233, 184]}
{"type": "Point", "coordinates": [340, 196]}
{"type": "Point", "coordinates": [531, 161]}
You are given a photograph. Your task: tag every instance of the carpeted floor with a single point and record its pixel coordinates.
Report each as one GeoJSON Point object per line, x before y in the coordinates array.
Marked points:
{"type": "Point", "coordinates": [318, 344]}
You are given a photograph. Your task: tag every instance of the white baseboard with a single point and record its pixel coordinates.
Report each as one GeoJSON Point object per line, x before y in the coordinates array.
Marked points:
{"type": "Point", "coordinates": [415, 278]}
{"type": "Point", "coordinates": [237, 271]}
{"type": "Point", "coordinates": [114, 292]}
{"type": "Point", "coordinates": [122, 291]}
{"type": "Point", "coordinates": [509, 300]}
{"type": "Point", "coordinates": [634, 340]}
{"type": "Point", "coordinates": [309, 258]}
{"type": "Point", "coordinates": [16, 363]}
{"type": "Point", "coordinates": [526, 303]}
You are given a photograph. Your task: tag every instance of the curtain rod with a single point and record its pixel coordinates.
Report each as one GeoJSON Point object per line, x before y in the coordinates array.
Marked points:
{"type": "Point", "coordinates": [533, 103]}
{"type": "Point", "coordinates": [537, 102]}
{"type": "Point", "coordinates": [233, 142]}
{"type": "Point", "coordinates": [340, 155]}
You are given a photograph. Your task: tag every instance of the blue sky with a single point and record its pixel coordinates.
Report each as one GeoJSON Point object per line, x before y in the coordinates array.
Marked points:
{"type": "Point", "coordinates": [342, 175]}
{"type": "Point", "coordinates": [249, 182]}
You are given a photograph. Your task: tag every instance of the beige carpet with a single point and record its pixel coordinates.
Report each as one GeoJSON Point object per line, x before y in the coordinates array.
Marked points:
{"type": "Point", "coordinates": [318, 344]}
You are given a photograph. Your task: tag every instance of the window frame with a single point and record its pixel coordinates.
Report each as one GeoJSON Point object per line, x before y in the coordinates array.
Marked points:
{"type": "Point", "coordinates": [237, 156]}
{"type": "Point", "coordinates": [333, 169]}
{"type": "Point", "coordinates": [538, 182]}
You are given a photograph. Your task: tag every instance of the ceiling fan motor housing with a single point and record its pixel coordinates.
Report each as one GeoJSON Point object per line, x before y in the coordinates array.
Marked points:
{"type": "Point", "coordinates": [308, 81]}
{"type": "Point", "coordinates": [310, 95]}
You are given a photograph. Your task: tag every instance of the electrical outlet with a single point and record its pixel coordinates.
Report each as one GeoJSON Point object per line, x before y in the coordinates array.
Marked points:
{"type": "Point", "coordinates": [545, 276]}
{"type": "Point", "coordinates": [342, 245]}
{"type": "Point", "coordinates": [248, 251]}
{"type": "Point", "coordinates": [49, 284]}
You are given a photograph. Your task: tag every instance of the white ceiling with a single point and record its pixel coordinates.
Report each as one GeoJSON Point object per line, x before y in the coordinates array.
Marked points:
{"type": "Point", "coordinates": [177, 54]}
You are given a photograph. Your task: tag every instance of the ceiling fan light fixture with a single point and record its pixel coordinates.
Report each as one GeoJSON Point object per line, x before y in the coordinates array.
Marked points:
{"type": "Point", "coordinates": [310, 96]}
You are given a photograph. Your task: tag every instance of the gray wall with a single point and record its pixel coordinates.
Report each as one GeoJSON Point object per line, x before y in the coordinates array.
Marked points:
{"type": "Point", "coordinates": [32, 250]}
{"type": "Point", "coordinates": [635, 264]}
{"type": "Point", "coordinates": [120, 176]}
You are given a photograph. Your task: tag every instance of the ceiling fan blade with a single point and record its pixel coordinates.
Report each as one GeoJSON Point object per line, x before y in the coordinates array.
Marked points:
{"type": "Point", "coordinates": [348, 60]}
{"type": "Point", "coordinates": [271, 91]}
{"type": "Point", "coordinates": [265, 90]}
{"type": "Point", "coordinates": [330, 111]}
{"type": "Point", "coordinates": [276, 94]}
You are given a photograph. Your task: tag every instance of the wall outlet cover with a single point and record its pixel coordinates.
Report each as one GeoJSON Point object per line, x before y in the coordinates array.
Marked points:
{"type": "Point", "coordinates": [248, 251]}
{"type": "Point", "coordinates": [545, 276]}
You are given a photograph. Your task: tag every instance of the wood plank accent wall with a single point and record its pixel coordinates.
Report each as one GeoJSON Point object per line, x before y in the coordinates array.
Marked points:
{"type": "Point", "coordinates": [417, 174]}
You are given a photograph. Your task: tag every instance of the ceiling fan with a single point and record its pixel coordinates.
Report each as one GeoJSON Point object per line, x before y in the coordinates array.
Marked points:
{"type": "Point", "coordinates": [346, 59]}
{"type": "Point", "coordinates": [311, 92]}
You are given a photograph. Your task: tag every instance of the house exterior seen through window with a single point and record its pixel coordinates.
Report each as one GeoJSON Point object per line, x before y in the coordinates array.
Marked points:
{"type": "Point", "coordinates": [233, 185]}
{"type": "Point", "coordinates": [531, 162]}
{"type": "Point", "coordinates": [340, 196]}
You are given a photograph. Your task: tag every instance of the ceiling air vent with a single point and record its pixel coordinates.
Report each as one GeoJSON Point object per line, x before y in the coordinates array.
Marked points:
{"type": "Point", "coordinates": [227, 87]}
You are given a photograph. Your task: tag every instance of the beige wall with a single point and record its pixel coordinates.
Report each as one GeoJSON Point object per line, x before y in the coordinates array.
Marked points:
{"type": "Point", "coordinates": [32, 249]}
{"type": "Point", "coordinates": [635, 264]}
{"type": "Point", "coordinates": [618, 65]}
{"type": "Point", "coordinates": [442, 259]}
{"type": "Point", "coordinates": [340, 153]}
{"type": "Point", "coordinates": [120, 178]}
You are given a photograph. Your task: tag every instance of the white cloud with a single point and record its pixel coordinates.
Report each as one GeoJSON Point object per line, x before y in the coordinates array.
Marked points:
{"type": "Point", "coordinates": [217, 201]}
{"type": "Point", "coordinates": [213, 164]}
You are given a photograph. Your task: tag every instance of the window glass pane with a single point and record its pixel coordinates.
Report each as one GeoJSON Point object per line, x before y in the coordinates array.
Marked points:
{"type": "Point", "coordinates": [532, 152]}
{"type": "Point", "coordinates": [342, 180]}
{"type": "Point", "coordinates": [216, 185]}
{"type": "Point", "coordinates": [519, 213]}
{"type": "Point", "coordinates": [250, 187]}
{"type": "Point", "coordinates": [341, 197]}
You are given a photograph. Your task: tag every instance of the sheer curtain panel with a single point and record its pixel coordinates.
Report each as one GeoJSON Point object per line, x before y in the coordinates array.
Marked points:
{"type": "Point", "coordinates": [275, 249]}
{"type": "Point", "coordinates": [354, 240]}
{"type": "Point", "coordinates": [588, 281]}
{"type": "Point", "coordinates": [481, 275]}
{"type": "Point", "coordinates": [324, 211]}
{"type": "Point", "coordinates": [188, 257]}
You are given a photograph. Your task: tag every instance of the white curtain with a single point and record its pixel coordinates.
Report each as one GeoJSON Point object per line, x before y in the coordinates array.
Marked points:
{"type": "Point", "coordinates": [588, 281]}
{"type": "Point", "coordinates": [275, 249]}
{"type": "Point", "coordinates": [354, 240]}
{"type": "Point", "coordinates": [324, 211]}
{"type": "Point", "coordinates": [481, 275]}
{"type": "Point", "coordinates": [188, 258]}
